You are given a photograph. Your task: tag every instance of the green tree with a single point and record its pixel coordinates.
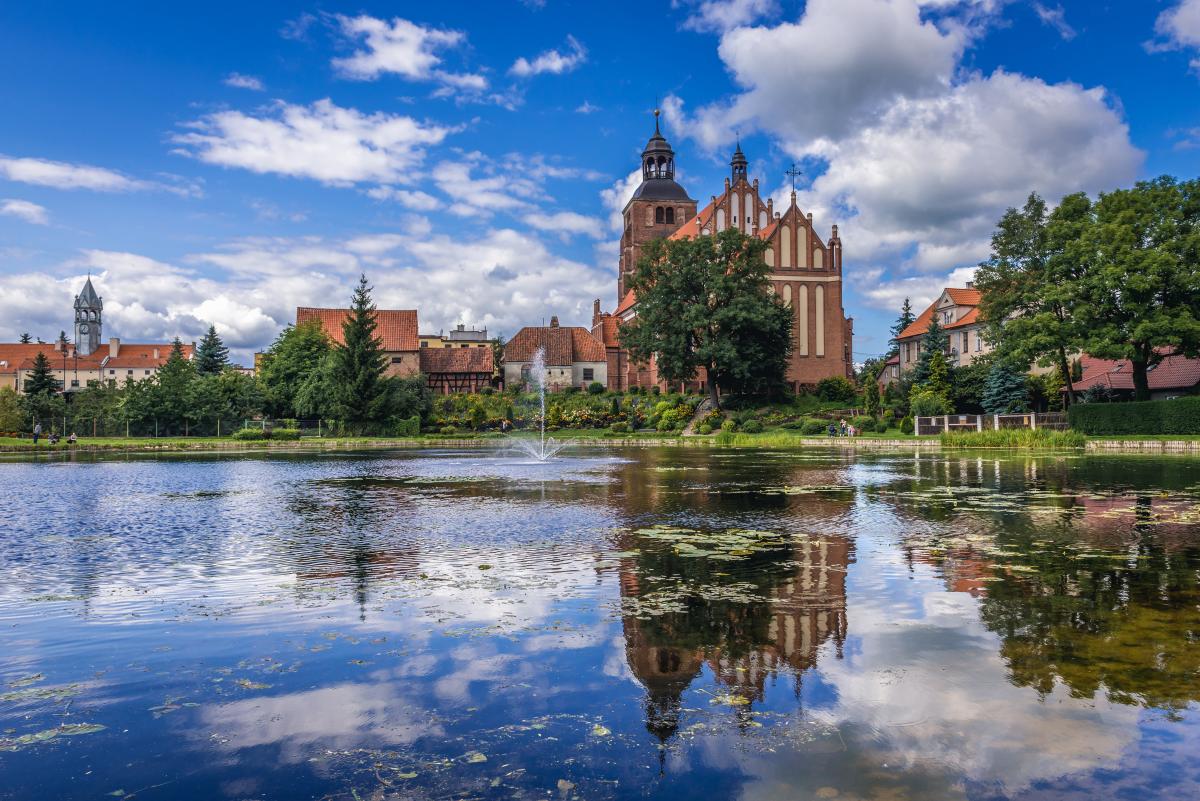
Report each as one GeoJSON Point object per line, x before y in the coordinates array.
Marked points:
{"type": "Point", "coordinates": [12, 416]}
{"type": "Point", "coordinates": [171, 395]}
{"type": "Point", "coordinates": [1030, 285]}
{"type": "Point", "coordinates": [927, 403]}
{"type": "Point", "coordinates": [939, 380]}
{"type": "Point", "coordinates": [41, 381]}
{"type": "Point", "coordinates": [241, 395]}
{"type": "Point", "coordinates": [297, 354]}
{"type": "Point", "coordinates": [934, 340]}
{"type": "Point", "coordinates": [26, 339]}
{"type": "Point", "coordinates": [359, 392]}
{"type": "Point", "coordinates": [1005, 391]}
{"type": "Point", "coordinates": [969, 380]}
{"type": "Point", "coordinates": [211, 356]}
{"type": "Point", "coordinates": [905, 319]}
{"type": "Point", "coordinates": [871, 396]}
{"type": "Point", "coordinates": [1141, 300]}
{"type": "Point", "coordinates": [705, 302]}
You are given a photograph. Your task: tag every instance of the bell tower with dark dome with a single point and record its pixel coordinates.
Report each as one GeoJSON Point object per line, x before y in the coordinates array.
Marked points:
{"type": "Point", "coordinates": [658, 206]}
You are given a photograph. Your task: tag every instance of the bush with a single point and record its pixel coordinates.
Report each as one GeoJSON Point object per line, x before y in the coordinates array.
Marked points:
{"type": "Point", "coordinates": [704, 429]}
{"type": "Point", "coordinates": [448, 430]}
{"type": "Point", "coordinates": [284, 434]}
{"type": "Point", "coordinates": [409, 428]}
{"type": "Point", "coordinates": [1013, 438]}
{"type": "Point", "coordinates": [486, 391]}
{"type": "Point", "coordinates": [752, 427]}
{"type": "Point", "coordinates": [729, 425]}
{"type": "Point", "coordinates": [929, 404]}
{"type": "Point", "coordinates": [812, 426]}
{"type": "Point", "coordinates": [619, 428]}
{"type": "Point", "coordinates": [836, 388]}
{"type": "Point", "coordinates": [881, 427]}
{"type": "Point", "coordinates": [595, 388]}
{"type": "Point", "coordinates": [249, 434]}
{"type": "Point", "coordinates": [1178, 416]}
{"type": "Point", "coordinates": [654, 390]}
{"type": "Point", "coordinates": [906, 425]}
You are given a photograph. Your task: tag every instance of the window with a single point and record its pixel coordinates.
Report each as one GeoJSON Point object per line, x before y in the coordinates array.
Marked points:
{"type": "Point", "coordinates": [966, 341]}
{"type": "Point", "coordinates": [978, 342]}
{"type": "Point", "coordinates": [397, 359]}
{"type": "Point", "coordinates": [670, 216]}
{"type": "Point", "coordinates": [147, 372]}
{"type": "Point", "coordinates": [128, 372]}
{"type": "Point", "coordinates": [464, 346]}
{"type": "Point", "coordinates": [589, 374]}
{"type": "Point", "coordinates": [659, 215]}
{"type": "Point", "coordinates": [424, 344]}
{"type": "Point", "coordinates": [75, 382]}
{"type": "Point", "coordinates": [112, 372]}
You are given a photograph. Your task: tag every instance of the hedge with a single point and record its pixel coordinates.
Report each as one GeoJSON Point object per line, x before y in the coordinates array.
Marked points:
{"type": "Point", "coordinates": [1178, 416]}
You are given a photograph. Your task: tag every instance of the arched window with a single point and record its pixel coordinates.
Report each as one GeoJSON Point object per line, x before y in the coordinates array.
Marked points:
{"type": "Point", "coordinates": [785, 247]}
{"type": "Point", "coordinates": [670, 216]}
{"type": "Point", "coordinates": [762, 219]}
{"type": "Point", "coordinates": [820, 310]}
{"type": "Point", "coordinates": [649, 216]}
{"type": "Point", "coordinates": [659, 215]}
{"type": "Point", "coordinates": [787, 294]}
{"type": "Point", "coordinates": [720, 220]}
{"type": "Point", "coordinates": [735, 213]}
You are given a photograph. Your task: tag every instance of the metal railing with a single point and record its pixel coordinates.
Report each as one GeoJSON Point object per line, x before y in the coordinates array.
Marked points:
{"type": "Point", "coordinates": [940, 424]}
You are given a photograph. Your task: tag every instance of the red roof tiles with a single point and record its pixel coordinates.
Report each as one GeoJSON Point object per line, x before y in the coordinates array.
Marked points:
{"type": "Point", "coordinates": [961, 297]}
{"type": "Point", "coordinates": [1174, 372]}
{"type": "Point", "coordinates": [563, 346]}
{"type": "Point", "coordinates": [397, 327]}
{"type": "Point", "coordinates": [456, 360]}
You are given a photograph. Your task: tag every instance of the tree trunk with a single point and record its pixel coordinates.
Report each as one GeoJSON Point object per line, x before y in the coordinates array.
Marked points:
{"type": "Point", "coordinates": [711, 382]}
{"type": "Point", "coordinates": [1141, 380]}
{"type": "Point", "coordinates": [1064, 367]}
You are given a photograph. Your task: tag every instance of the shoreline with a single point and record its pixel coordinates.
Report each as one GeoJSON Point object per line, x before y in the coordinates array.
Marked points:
{"type": "Point", "coordinates": [212, 445]}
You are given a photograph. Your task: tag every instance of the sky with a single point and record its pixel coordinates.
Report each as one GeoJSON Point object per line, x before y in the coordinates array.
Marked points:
{"type": "Point", "coordinates": [226, 164]}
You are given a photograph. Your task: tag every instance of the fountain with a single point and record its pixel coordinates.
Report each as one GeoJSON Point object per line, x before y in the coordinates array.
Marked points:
{"type": "Point", "coordinates": [541, 449]}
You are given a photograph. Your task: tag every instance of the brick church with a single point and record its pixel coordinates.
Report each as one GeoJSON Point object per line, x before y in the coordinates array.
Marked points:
{"type": "Point", "coordinates": [805, 271]}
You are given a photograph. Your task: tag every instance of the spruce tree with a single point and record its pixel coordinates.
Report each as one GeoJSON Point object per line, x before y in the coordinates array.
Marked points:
{"type": "Point", "coordinates": [172, 396]}
{"type": "Point", "coordinates": [26, 338]}
{"type": "Point", "coordinates": [1005, 390]}
{"type": "Point", "coordinates": [939, 380]}
{"type": "Point", "coordinates": [359, 363]}
{"type": "Point", "coordinates": [211, 356]}
{"type": "Point", "coordinates": [935, 340]}
{"type": "Point", "coordinates": [41, 380]}
{"type": "Point", "coordinates": [905, 319]}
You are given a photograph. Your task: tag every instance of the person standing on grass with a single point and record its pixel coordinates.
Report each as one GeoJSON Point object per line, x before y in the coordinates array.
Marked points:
{"type": "Point", "coordinates": [37, 432]}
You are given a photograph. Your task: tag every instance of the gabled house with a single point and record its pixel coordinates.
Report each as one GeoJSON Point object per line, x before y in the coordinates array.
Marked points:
{"type": "Point", "coordinates": [957, 310]}
{"type": "Point", "coordinates": [574, 358]}
{"type": "Point", "coordinates": [396, 328]}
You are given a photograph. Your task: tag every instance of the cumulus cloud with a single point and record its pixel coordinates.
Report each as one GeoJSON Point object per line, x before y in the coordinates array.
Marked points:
{"type": "Point", "coordinates": [64, 175]}
{"type": "Point", "coordinates": [1179, 29]}
{"type": "Point", "coordinates": [586, 108]}
{"type": "Point", "coordinates": [566, 223]}
{"type": "Point", "coordinates": [239, 81]}
{"type": "Point", "coordinates": [24, 210]}
{"type": "Point", "coordinates": [724, 15]}
{"type": "Point", "coordinates": [1056, 18]}
{"type": "Point", "coordinates": [323, 141]}
{"type": "Point", "coordinates": [409, 198]}
{"type": "Point", "coordinates": [551, 61]}
{"type": "Point", "coordinates": [615, 197]}
{"type": "Point", "coordinates": [402, 48]}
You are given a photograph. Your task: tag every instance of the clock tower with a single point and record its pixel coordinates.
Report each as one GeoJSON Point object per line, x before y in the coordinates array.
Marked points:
{"type": "Point", "coordinates": [88, 308]}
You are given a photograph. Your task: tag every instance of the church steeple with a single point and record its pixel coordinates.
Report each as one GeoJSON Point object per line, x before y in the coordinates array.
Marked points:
{"type": "Point", "coordinates": [658, 159]}
{"type": "Point", "coordinates": [88, 312]}
{"type": "Point", "coordinates": [738, 164]}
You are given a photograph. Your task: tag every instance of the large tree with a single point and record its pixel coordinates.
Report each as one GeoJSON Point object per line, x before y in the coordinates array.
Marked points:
{"type": "Point", "coordinates": [41, 380]}
{"type": "Point", "coordinates": [360, 393]}
{"type": "Point", "coordinates": [172, 395]}
{"type": "Point", "coordinates": [705, 302]}
{"type": "Point", "coordinates": [211, 356]}
{"type": "Point", "coordinates": [291, 362]}
{"type": "Point", "coordinates": [905, 319]}
{"type": "Point", "coordinates": [934, 340]}
{"type": "Point", "coordinates": [1005, 390]}
{"type": "Point", "coordinates": [1031, 283]}
{"type": "Point", "coordinates": [1141, 299]}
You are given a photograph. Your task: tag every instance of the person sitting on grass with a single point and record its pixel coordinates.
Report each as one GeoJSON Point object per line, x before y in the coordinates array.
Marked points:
{"type": "Point", "coordinates": [72, 439]}
{"type": "Point", "coordinates": [832, 430]}
{"type": "Point", "coordinates": [53, 437]}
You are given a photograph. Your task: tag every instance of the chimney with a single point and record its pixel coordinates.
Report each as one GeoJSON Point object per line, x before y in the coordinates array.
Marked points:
{"type": "Point", "coordinates": [554, 321]}
{"type": "Point", "coordinates": [58, 344]}
{"type": "Point", "coordinates": [970, 285]}
{"type": "Point", "coordinates": [114, 347]}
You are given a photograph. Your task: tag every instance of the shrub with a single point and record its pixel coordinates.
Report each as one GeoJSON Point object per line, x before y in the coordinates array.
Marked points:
{"type": "Point", "coordinates": [448, 430]}
{"type": "Point", "coordinates": [283, 434]}
{"type": "Point", "coordinates": [595, 388]}
{"type": "Point", "coordinates": [486, 391]}
{"type": "Point", "coordinates": [705, 429]}
{"type": "Point", "coordinates": [410, 427]}
{"type": "Point", "coordinates": [812, 426]}
{"type": "Point", "coordinates": [619, 428]}
{"type": "Point", "coordinates": [1178, 416]}
{"type": "Point", "coordinates": [836, 388]}
{"type": "Point", "coordinates": [881, 427]}
{"type": "Point", "coordinates": [752, 427]}
{"type": "Point", "coordinates": [928, 403]}
{"type": "Point", "coordinates": [1013, 438]}
{"type": "Point", "coordinates": [635, 390]}
{"type": "Point", "coordinates": [654, 390]}
{"type": "Point", "coordinates": [906, 425]}
{"type": "Point", "coordinates": [249, 434]}
{"type": "Point", "coordinates": [729, 426]}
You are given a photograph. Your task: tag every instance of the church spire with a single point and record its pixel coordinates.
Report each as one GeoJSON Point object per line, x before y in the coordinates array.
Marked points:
{"type": "Point", "coordinates": [658, 159]}
{"type": "Point", "coordinates": [739, 164]}
{"type": "Point", "coordinates": [88, 311]}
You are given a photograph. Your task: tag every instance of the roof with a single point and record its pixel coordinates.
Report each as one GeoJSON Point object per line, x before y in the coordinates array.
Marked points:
{"type": "Point", "coordinates": [456, 360]}
{"type": "Point", "coordinates": [960, 296]}
{"type": "Point", "coordinates": [627, 303]}
{"type": "Point", "coordinates": [660, 189]}
{"type": "Point", "coordinates": [1173, 372]}
{"type": "Point", "coordinates": [17, 356]}
{"type": "Point", "coordinates": [134, 355]}
{"type": "Point", "coordinates": [397, 328]}
{"type": "Point", "coordinates": [87, 296]}
{"type": "Point", "coordinates": [563, 345]}
{"type": "Point", "coordinates": [608, 330]}
{"type": "Point", "coordinates": [894, 360]}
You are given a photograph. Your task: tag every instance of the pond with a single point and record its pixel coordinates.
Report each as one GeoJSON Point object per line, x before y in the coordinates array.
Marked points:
{"type": "Point", "coordinates": [643, 623]}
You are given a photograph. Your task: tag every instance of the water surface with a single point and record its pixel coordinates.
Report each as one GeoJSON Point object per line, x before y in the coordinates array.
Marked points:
{"type": "Point", "coordinates": [642, 623]}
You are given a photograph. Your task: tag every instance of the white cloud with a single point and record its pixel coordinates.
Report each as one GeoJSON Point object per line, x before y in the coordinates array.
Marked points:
{"type": "Point", "coordinates": [402, 48]}
{"type": "Point", "coordinates": [615, 197]}
{"type": "Point", "coordinates": [551, 61]}
{"type": "Point", "coordinates": [586, 108]}
{"type": "Point", "coordinates": [566, 223]}
{"type": "Point", "coordinates": [410, 199]}
{"type": "Point", "coordinates": [239, 81]}
{"type": "Point", "coordinates": [1179, 27]}
{"type": "Point", "coordinates": [24, 210]}
{"type": "Point", "coordinates": [1056, 18]}
{"type": "Point", "coordinates": [481, 196]}
{"type": "Point", "coordinates": [724, 15]}
{"type": "Point", "coordinates": [63, 175]}
{"type": "Point", "coordinates": [323, 141]}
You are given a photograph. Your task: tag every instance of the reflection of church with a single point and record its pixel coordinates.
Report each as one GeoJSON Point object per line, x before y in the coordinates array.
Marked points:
{"type": "Point", "coordinates": [800, 606]}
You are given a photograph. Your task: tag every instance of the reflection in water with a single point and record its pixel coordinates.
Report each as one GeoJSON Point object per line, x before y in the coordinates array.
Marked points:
{"type": "Point", "coordinates": [643, 623]}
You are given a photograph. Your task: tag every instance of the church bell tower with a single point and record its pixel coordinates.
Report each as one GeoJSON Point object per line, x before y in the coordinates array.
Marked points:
{"type": "Point", "coordinates": [88, 308]}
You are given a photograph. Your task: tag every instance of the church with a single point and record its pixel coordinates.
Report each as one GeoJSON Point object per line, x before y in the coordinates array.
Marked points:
{"type": "Point", "coordinates": [805, 270]}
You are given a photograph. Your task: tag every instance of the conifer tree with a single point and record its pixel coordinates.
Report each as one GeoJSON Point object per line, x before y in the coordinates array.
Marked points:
{"type": "Point", "coordinates": [935, 340]}
{"type": "Point", "coordinates": [360, 394]}
{"type": "Point", "coordinates": [211, 356]}
{"type": "Point", "coordinates": [1005, 390]}
{"type": "Point", "coordinates": [41, 380]}
{"type": "Point", "coordinates": [905, 319]}
{"type": "Point", "coordinates": [26, 338]}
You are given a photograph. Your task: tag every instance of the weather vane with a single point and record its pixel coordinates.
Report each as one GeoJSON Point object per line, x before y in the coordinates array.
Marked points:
{"type": "Point", "coordinates": [795, 172]}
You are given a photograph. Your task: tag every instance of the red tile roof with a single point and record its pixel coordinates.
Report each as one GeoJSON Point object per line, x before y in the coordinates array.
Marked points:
{"type": "Point", "coordinates": [961, 297]}
{"type": "Point", "coordinates": [627, 303]}
{"type": "Point", "coordinates": [17, 356]}
{"type": "Point", "coordinates": [563, 345]}
{"type": "Point", "coordinates": [397, 327]}
{"type": "Point", "coordinates": [135, 355]}
{"type": "Point", "coordinates": [1174, 372]}
{"type": "Point", "coordinates": [456, 360]}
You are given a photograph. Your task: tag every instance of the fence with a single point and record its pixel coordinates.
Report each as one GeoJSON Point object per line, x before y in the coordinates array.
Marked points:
{"type": "Point", "coordinates": [928, 426]}
{"type": "Point", "coordinates": [83, 425]}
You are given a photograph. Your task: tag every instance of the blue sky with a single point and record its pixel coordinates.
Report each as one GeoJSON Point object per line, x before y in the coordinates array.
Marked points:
{"type": "Point", "coordinates": [228, 164]}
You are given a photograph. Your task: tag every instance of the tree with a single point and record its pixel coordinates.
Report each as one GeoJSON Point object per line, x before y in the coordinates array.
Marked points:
{"type": "Point", "coordinates": [291, 362]}
{"type": "Point", "coordinates": [969, 380]}
{"type": "Point", "coordinates": [705, 302]}
{"type": "Point", "coordinates": [12, 418]}
{"type": "Point", "coordinates": [41, 380]}
{"type": "Point", "coordinates": [171, 396]}
{"type": "Point", "coordinates": [905, 319]}
{"type": "Point", "coordinates": [939, 381]}
{"type": "Point", "coordinates": [360, 396]}
{"type": "Point", "coordinates": [1030, 286]}
{"type": "Point", "coordinates": [1141, 300]}
{"type": "Point", "coordinates": [926, 403]}
{"type": "Point", "coordinates": [211, 356]}
{"type": "Point", "coordinates": [871, 396]}
{"type": "Point", "coordinates": [935, 340]}
{"type": "Point", "coordinates": [498, 355]}
{"type": "Point", "coordinates": [26, 339]}
{"type": "Point", "coordinates": [1005, 391]}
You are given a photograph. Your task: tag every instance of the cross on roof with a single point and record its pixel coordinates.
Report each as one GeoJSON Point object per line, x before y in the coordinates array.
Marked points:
{"type": "Point", "coordinates": [795, 172]}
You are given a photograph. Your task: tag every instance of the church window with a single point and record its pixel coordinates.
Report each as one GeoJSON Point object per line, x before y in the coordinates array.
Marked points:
{"type": "Point", "coordinates": [804, 319]}
{"type": "Point", "coordinates": [735, 213]}
{"type": "Point", "coordinates": [820, 313]}
{"type": "Point", "coordinates": [659, 215]}
{"type": "Point", "coordinates": [720, 220]}
{"type": "Point", "coordinates": [670, 216]}
{"type": "Point", "coordinates": [787, 294]}
{"type": "Point", "coordinates": [762, 218]}
{"type": "Point", "coordinates": [801, 247]}
{"type": "Point", "coordinates": [748, 210]}
{"type": "Point", "coordinates": [785, 236]}
{"type": "Point", "coordinates": [769, 257]}
{"type": "Point", "coordinates": [818, 259]}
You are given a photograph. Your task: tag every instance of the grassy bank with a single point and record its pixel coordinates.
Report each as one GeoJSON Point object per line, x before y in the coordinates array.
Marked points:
{"type": "Point", "coordinates": [1022, 438]}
